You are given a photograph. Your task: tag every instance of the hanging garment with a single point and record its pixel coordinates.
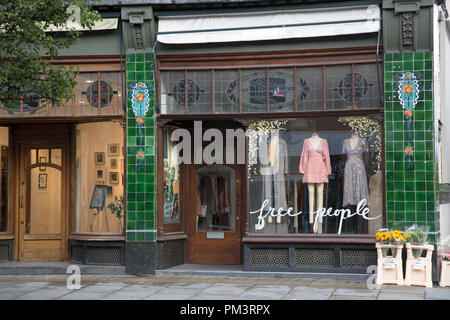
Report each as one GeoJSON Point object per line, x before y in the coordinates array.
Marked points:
{"type": "Point", "coordinates": [376, 202]}
{"type": "Point", "coordinates": [355, 177]}
{"type": "Point", "coordinates": [315, 163]}
{"type": "Point", "coordinates": [276, 176]}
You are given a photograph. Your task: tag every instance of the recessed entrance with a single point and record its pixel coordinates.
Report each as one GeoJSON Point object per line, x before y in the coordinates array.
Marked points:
{"type": "Point", "coordinates": [42, 231]}
{"type": "Point", "coordinates": [215, 214]}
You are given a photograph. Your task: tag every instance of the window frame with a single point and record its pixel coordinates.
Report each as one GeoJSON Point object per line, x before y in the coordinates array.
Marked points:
{"type": "Point", "coordinates": [267, 60]}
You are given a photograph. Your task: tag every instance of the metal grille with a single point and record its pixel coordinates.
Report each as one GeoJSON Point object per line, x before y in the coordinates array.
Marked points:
{"type": "Point", "coordinates": [314, 257]}
{"type": "Point", "coordinates": [358, 258]}
{"type": "Point", "coordinates": [4, 256]}
{"type": "Point", "coordinates": [109, 256]}
{"type": "Point", "coordinates": [269, 257]}
{"type": "Point", "coordinates": [76, 254]}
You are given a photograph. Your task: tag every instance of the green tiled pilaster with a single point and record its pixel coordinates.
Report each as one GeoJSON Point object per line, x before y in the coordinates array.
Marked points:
{"type": "Point", "coordinates": [141, 181]}
{"type": "Point", "coordinates": [410, 193]}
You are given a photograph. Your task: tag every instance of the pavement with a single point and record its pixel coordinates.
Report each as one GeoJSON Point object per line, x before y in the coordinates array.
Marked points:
{"type": "Point", "coordinates": [194, 287]}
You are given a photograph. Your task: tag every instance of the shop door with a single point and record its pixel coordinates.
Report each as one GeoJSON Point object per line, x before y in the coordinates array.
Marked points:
{"type": "Point", "coordinates": [215, 214]}
{"type": "Point", "coordinates": [42, 202]}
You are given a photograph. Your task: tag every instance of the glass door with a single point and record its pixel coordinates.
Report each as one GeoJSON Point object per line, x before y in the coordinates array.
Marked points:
{"type": "Point", "coordinates": [42, 202]}
{"type": "Point", "coordinates": [216, 224]}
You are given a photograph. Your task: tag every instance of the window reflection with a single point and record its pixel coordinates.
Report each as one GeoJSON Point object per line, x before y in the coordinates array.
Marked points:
{"type": "Point", "coordinates": [216, 198]}
{"type": "Point", "coordinates": [330, 165]}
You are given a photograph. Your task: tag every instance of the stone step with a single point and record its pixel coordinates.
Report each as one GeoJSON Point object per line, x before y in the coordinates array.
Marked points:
{"type": "Point", "coordinates": [56, 268]}
{"type": "Point", "coordinates": [237, 271]}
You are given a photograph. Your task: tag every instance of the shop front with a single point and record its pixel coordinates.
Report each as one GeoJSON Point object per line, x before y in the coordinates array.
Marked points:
{"type": "Point", "coordinates": [272, 163]}
{"type": "Point", "coordinates": [62, 171]}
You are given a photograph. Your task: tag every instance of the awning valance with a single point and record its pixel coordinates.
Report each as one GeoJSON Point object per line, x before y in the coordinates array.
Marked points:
{"type": "Point", "coordinates": [104, 24]}
{"type": "Point", "coordinates": [268, 25]}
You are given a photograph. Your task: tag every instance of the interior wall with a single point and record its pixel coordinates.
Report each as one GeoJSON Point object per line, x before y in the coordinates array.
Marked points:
{"type": "Point", "coordinates": [45, 202]}
{"type": "Point", "coordinates": [92, 138]}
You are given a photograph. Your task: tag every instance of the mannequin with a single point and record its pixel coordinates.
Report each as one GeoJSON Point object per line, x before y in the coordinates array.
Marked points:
{"type": "Point", "coordinates": [316, 166]}
{"type": "Point", "coordinates": [273, 180]}
{"type": "Point", "coordinates": [355, 176]}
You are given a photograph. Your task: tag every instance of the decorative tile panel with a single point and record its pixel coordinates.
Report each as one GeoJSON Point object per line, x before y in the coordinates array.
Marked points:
{"type": "Point", "coordinates": [411, 171]}
{"type": "Point", "coordinates": [141, 160]}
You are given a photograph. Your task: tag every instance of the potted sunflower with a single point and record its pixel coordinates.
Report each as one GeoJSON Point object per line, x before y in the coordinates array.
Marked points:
{"type": "Point", "coordinates": [392, 240]}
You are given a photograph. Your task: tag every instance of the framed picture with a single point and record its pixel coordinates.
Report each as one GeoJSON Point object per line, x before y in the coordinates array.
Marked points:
{"type": "Point", "coordinates": [42, 160]}
{"type": "Point", "coordinates": [114, 149]}
{"type": "Point", "coordinates": [100, 174]}
{"type": "Point", "coordinates": [113, 163]}
{"type": "Point", "coordinates": [114, 177]}
{"type": "Point", "coordinates": [99, 158]}
{"type": "Point", "coordinates": [98, 197]}
{"type": "Point", "coordinates": [42, 181]}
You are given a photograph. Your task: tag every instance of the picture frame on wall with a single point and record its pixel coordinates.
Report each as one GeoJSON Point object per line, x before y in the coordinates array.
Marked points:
{"type": "Point", "coordinates": [42, 160]}
{"type": "Point", "coordinates": [42, 181]}
{"type": "Point", "coordinates": [113, 163]}
{"type": "Point", "coordinates": [114, 149]}
{"type": "Point", "coordinates": [100, 174]}
{"type": "Point", "coordinates": [114, 177]}
{"type": "Point", "coordinates": [99, 158]}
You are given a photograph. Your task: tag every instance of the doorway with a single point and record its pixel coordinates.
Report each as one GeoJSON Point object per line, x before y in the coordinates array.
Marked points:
{"type": "Point", "coordinates": [214, 214]}
{"type": "Point", "coordinates": [42, 214]}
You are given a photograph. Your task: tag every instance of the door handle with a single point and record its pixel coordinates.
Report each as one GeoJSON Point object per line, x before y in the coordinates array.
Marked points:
{"type": "Point", "coordinates": [21, 201]}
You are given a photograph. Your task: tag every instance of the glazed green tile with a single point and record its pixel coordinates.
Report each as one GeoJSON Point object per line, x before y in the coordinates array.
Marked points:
{"type": "Point", "coordinates": [419, 65]}
{"type": "Point", "coordinates": [399, 205]}
{"type": "Point", "coordinates": [410, 196]}
{"type": "Point", "coordinates": [408, 66]}
{"type": "Point", "coordinates": [131, 236]}
{"type": "Point", "coordinates": [419, 55]}
{"type": "Point", "coordinates": [397, 57]}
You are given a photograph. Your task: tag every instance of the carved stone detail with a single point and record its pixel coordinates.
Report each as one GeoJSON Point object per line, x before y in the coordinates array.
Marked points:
{"type": "Point", "coordinates": [407, 24]}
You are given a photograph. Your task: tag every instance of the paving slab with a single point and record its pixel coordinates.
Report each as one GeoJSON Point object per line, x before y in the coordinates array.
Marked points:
{"type": "Point", "coordinates": [356, 292]}
{"type": "Point", "coordinates": [351, 298]}
{"type": "Point", "coordinates": [45, 294]}
{"type": "Point", "coordinates": [105, 287]}
{"type": "Point", "coordinates": [177, 290]}
{"type": "Point", "coordinates": [400, 296]}
{"type": "Point", "coordinates": [437, 293]}
{"type": "Point", "coordinates": [78, 295]}
{"type": "Point", "coordinates": [122, 295]}
{"type": "Point", "coordinates": [226, 289]}
{"type": "Point", "coordinates": [169, 297]}
{"type": "Point", "coordinates": [189, 285]}
{"type": "Point", "coordinates": [212, 297]}
{"type": "Point", "coordinates": [309, 293]}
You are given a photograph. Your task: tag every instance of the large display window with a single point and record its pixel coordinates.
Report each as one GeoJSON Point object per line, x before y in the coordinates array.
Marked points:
{"type": "Point", "coordinates": [4, 144]}
{"type": "Point", "coordinates": [315, 175]}
{"type": "Point", "coordinates": [99, 206]}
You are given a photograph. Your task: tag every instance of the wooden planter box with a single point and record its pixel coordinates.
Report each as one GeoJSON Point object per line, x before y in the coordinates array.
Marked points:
{"type": "Point", "coordinates": [418, 270]}
{"type": "Point", "coordinates": [389, 269]}
{"type": "Point", "coordinates": [444, 280]}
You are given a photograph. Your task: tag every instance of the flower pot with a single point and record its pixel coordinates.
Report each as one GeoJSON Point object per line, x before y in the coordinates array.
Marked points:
{"type": "Point", "coordinates": [417, 253]}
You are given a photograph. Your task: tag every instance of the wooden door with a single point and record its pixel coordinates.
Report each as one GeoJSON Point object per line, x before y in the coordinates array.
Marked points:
{"type": "Point", "coordinates": [42, 202]}
{"type": "Point", "coordinates": [214, 193]}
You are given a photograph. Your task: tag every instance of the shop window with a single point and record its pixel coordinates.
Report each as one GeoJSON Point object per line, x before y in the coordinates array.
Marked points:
{"type": "Point", "coordinates": [347, 86]}
{"type": "Point", "coordinates": [96, 93]}
{"type": "Point", "coordinates": [4, 136]}
{"type": "Point", "coordinates": [227, 91]}
{"type": "Point", "coordinates": [99, 178]}
{"type": "Point", "coordinates": [315, 175]}
{"type": "Point", "coordinates": [171, 180]}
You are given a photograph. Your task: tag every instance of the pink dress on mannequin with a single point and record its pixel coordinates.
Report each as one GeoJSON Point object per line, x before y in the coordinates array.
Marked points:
{"type": "Point", "coordinates": [315, 163]}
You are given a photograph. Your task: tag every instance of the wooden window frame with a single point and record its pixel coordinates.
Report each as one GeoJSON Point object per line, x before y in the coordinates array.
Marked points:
{"type": "Point", "coordinates": [264, 60]}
